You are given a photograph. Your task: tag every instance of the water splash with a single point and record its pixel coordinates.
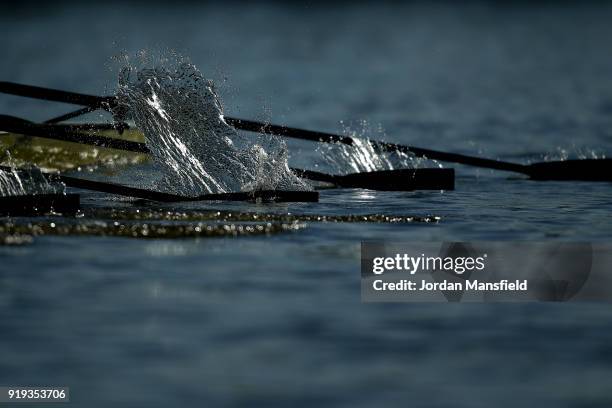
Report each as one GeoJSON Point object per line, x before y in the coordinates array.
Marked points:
{"type": "Point", "coordinates": [361, 156]}
{"type": "Point", "coordinates": [27, 181]}
{"type": "Point", "coordinates": [181, 116]}
{"type": "Point", "coordinates": [11, 184]}
{"type": "Point", "coordinates": [572, 152]}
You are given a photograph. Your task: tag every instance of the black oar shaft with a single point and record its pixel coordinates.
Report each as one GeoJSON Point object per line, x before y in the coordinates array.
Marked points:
{"type": "Point", "coordinates": [315, 136]}
{"type": "Point", "coordinates": [109, 188]}
{"type": "Point", "coordinates": [398, 180]}
{"type": "Point", "coordinates": [118, 189]}
{"type": "Point", "coordinates": [584, 170]}
{"type": "Point", "coordinates": [267, 128]}
{"type": "Point", "coordinates": [316, 176]}
{"type": "Point", "coordinates": [71, 115]}
{"type": "Point", "coordinates": [454, 157]}
{"type": "Point", "coordinates": [254, 126]}
{"type": "Point", "coordinates": [66, 133]}
{"type": "Point", "coordinates": [126, 191]}
{"type": "Point", "coordinates": [134, 192]}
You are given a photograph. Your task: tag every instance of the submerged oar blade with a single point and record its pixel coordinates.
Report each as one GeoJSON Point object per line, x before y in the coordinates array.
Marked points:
{"type": "Point", "coordinates": [401, 179]}
{"type": "Point", "coordinates": [572, 170]}
{"type": "Point", "coordinates": [39, 204]}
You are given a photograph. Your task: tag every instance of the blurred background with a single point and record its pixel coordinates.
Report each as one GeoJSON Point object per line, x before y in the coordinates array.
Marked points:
{"type": "Point", "coordinates": [501, 76]}
{"type": "Point", "coordinates": [277, 321]}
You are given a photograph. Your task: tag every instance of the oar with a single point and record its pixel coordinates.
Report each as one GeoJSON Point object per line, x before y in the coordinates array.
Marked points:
{"type": "Point", "coordinates": [118, 189]}
{"type": "Point", "coordinates": [70, 115]}
{"type": "Point", "coordinates": [578, 170]}
{"type": "Point", "coordinates": [67, 133]}
{"type": "Point", "coordinates": [388, 180]}
{"type": "Point", "coordinates": [48, 94]}
{"type": "Point", "coordinates": [38, 204]}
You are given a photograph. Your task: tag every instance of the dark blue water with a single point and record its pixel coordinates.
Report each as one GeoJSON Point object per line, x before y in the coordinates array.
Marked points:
{"type": "Point", "coordinates": [277, 320]}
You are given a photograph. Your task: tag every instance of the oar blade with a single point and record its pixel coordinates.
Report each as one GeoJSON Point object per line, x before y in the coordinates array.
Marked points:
{"type": "Point", "coordinates": [277, 196]}
{"type": "Point", "coordinates": [572, 170]}
{"type": "Point", "coordinates": [39, 204]}
{"type": "Point", "coordinates": [401, 179]}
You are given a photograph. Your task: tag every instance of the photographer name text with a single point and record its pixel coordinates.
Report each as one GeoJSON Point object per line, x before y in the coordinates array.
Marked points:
{"type": "Point", "coordinates": [445, 285]}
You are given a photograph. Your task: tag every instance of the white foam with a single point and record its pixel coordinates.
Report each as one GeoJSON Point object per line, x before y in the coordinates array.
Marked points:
{"type": "Point", "coordinates": [361, 156]}
{"type": "Point", "coordinates": [27, 181]}
{"type": "Point", "coordinates": [181, 116]}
